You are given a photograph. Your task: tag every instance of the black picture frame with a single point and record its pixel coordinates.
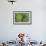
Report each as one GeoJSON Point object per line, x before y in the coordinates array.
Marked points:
{"type": "Point", "coordinates": [22, 23]}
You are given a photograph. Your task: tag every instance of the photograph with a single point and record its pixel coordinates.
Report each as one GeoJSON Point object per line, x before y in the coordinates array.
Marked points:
{"type": "Point", "coordinates": [22, 17]}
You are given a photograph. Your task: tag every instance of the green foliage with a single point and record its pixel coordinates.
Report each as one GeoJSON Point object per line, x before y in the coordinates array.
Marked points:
{"type": "Point", "coordinates": [22, 17]}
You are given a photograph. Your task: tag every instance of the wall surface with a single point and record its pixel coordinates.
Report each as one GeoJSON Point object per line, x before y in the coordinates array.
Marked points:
{"type": "Point", "coordinates": [9, 31]}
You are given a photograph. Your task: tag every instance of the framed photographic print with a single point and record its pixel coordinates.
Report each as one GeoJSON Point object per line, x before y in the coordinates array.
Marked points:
{"type": "Point", "coordinates": [22, 17]}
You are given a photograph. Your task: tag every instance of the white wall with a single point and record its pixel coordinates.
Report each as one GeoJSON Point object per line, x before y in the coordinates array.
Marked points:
{"type": "Point", "coordinates": [9, 31]}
